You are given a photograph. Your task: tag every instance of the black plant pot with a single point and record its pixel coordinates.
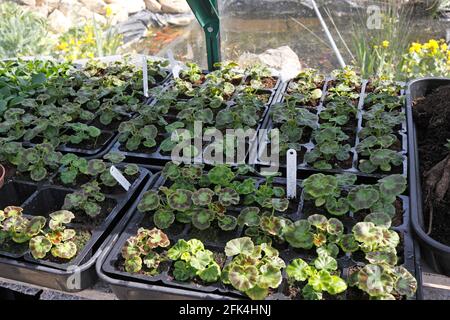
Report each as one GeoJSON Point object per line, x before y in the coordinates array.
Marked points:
{"type": "Point", "coordinates": [436, 254]}
{"type": "Point", "coordinates": [80, 273]}
{"type": "Point", "coordinates": [129, 286]}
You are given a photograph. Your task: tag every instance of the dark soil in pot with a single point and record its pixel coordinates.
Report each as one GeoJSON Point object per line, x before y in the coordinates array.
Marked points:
{"type": "Point", "coordinates": [13, 248]}
{"type": "Point", "coordinates": [432, 118]}
{"type": "Point", "coordinates": [397, 219]}
{"type": "Point", "coordinates": [93, 222]}
{"type": "Point", "coordinates": [114, 125]}
{"type": "Point", "coordinates": [81, 179]}
{"type": "Point", "coordinates": [294, 292]}
{"type": "Point", "coordinates": [267, 82]}
{"type": "Point", "coordinates": [212, 235]}
{"type": "Point", "coordinates": [118, 189]}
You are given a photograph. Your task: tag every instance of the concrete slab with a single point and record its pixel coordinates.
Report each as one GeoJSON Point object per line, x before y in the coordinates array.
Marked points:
{"type": "Point", "coordinates": [100, 291]}
{"type": "Point", "coordinates": [435, 287]}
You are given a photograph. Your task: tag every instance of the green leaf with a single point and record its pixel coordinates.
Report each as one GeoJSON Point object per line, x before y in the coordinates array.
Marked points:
{"type": "Point", "coordinates": [243, 278]}
{"type": "Point", "coordinates": [238, 246]}
{"type": "Point", "coordinates": [249, 216]}
{"type": "Point", "coordinates": [325, 262]}
{"type": "Point", "coordinates": [363, 197]}
{"type": "Point", "coordinates": [150, 201]}
{"type": "Point", "coordinates": [183, 271]}
{"type": "Point", "coordinates": [298, 270]}
{"type": "Point", "coordinates": [38, 78]}
{"type": "Point", "coordinates": [211, 273]}
{"type": "Point", "coordinates": [39, 247]}
{"type": "Point", "coordinates": [163, 218]}
{"type": "Point", "coordinates": [201, 259]}
{"type": "Point", "coordinates": [227, 223]}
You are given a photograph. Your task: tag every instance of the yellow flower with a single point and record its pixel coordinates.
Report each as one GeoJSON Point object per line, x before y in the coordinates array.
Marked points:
{"type": "Point", "coordinates": [109, 11]}
{"type": "Point", "coordinates": [415, 48]}
{"type": "Point", "coordinates": [433, 46]}
{"type": "Point", "coordinates": [63, 46]}
{"type": "Point", "coordinates": [444, 47]}
{"type": "Point", "coordinates": [386, 44]}
{"type": "Point", "coordinates": [90, 55]}
{"type": "Point", "coordinates": [375, 47]}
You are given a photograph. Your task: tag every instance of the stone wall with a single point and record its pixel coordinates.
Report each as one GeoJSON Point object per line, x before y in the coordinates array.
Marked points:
{"type": "Point", "coordinates": [62, 14]}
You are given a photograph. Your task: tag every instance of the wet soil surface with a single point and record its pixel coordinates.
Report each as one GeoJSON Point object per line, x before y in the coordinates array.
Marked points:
{"type": "Point", "coordinates": [432, 117]}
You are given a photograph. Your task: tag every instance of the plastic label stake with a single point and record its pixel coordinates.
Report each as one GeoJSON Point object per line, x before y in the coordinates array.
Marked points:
{"type": "Point", "coordinates": [145, 75]}
{"type": "Point", "coordinates": [120, 178]}
{"type": "Point", "coordinates": [174, 65]}
{"type": "Point", "coordinates": [291, 173]}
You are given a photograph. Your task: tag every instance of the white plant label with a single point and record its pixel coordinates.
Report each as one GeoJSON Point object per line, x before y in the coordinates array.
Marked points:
{"type": "Point", "coordinates": [120, 178]}
{"type": "Point", "coordinates": [145, 75]}
{"type": "Point", "coordinates": [174, 65]}
{"type": "Point", "coordinates": [291, 173]}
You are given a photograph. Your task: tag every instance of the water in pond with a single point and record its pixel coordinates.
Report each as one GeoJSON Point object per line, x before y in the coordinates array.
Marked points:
{"type": "Point", "coordinates": [247, 33]}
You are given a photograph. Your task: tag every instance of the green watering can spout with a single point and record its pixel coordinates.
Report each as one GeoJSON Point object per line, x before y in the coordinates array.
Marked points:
{"type": "Point", "coordinates": [206, 12]}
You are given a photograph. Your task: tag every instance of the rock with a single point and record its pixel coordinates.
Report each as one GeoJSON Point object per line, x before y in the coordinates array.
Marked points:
{"type": "Point", "coordinates": [136, 26]}
{"type": "Point", "coordinates": [182, 19]}
{"type": "Point", "coordinates": [87, 14]}
{"type": "Point", "coordinates": [153, 5]}
{"type": "Point", "coordinates": [97, 6]}
{"type": "Point", "coordinates": [133, 6]}
{"type": "Point", "coordinates": [42, 10]}
{"type": "Point", "coordinates": [174, 6]}
{"type": "Point", "coordinates": [119, 14]}
{"type": "Point", "coordinates": [30, 3]}
{"type": "Point", "coordinates": [70, 8]}
{"type": "Point", "coordinates": [282, 59]}
{"type": "Point", "coordinates": [58, 22]}
{"type": "Point", "coordinates": [52, 4]}
{"type": "Point", "coordinates": [143, 17]}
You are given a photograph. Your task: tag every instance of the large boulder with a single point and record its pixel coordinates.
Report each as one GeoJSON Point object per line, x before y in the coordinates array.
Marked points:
{"type": "Point", "coordinates": [86, 14]}
{"type": "Point", "coordinates": [58, 22]}
{"type": "Point", "coordinates": [52, 4]}
{"type": "Point", "coordinates": [153, 6]}
{"type": "Point", "coordinates": [282, 59]}
{"type": "Point", "coordinates": [42, 10]}
{"type": "Point", "coordinates": [133, 6]}
{"type": "Point", "coordinates": [70, 8]}
{"type": "Point", "coordinates": [97, 6]}
{"type": "Point", "coordinates": [119, 14]}
{"type": "Point", "coordinates": [174, 6]}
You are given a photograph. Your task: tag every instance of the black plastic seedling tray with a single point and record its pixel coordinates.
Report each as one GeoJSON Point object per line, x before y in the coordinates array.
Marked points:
{"type": "Point", "coordinates": [79, 273]}
{"type": "Point", "coordinates": [155, 156]}
{"type": "Point", "coordinates": [436, 254]}
{"type": "Point", "coordinates": [163, 286]}
{"type": "Point", "coordinates": [304, 168]}
{"type": "Point", "coordinates": [109, 134]}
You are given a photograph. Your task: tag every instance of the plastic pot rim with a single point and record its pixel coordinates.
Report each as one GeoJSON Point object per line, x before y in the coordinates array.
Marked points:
{"type": "Point", "coordinates": [413, 170]}
{"type": "Point", "coordinates": [2, 175]}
